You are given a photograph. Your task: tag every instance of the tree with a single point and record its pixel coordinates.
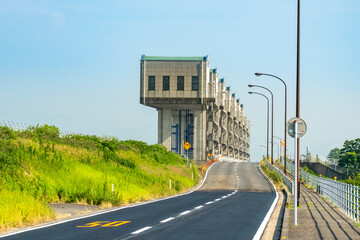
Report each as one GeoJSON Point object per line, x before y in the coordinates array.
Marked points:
{"type": "Point", "coordinates": [335, 153]}
{"type": "Point", "coordinates": [349, 155]}
{"type": "Point", "coordinates": [351, 146]}
{"type": "Point", "coordinates": [349, 159]}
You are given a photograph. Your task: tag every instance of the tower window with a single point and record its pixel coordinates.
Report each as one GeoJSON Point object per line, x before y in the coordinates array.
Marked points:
{"type": "Point", "coordinates": [166, 83]}
{"type": "Point", "coordinates": [180, 83]}
{"type": "Point", "coordinates": [195, 83]}
{"type": "Point", "coordinates": [151, 84]}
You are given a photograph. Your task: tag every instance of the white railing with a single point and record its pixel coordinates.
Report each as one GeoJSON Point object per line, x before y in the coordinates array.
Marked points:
{"type": "Point", "coordinates": [343, 195]}
{"type": "Point", "coordinates": [287, 181]}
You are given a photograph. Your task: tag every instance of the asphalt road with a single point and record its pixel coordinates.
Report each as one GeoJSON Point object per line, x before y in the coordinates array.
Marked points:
{"type": "Point", "coordinates": [231, 204]}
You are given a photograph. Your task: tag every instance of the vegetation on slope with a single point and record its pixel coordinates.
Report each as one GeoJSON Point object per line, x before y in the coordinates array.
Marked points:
{"type": "Point", "coordinates": [273, 175]}
{"type": "Point", "coordinates": [38, 166]}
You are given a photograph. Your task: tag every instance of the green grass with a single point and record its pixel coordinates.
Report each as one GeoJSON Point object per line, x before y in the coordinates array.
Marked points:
{"type": "Point", "coordinates": [21, 208]}
{"type": "Point", "coordinates": [273, 175]}
{"type": "Point", "coordinates": [39, 167]}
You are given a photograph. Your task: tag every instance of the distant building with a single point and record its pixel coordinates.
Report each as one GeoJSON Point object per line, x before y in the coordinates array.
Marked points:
{"type": "Point", "coordinates": [194, 106]}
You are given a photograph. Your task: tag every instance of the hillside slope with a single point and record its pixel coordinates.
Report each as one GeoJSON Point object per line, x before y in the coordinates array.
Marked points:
{"type": "Point", "coordinates": [38, 166]}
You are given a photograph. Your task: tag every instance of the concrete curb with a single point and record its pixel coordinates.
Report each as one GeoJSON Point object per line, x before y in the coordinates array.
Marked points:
{"type": "Point", "coordinates": [264, 223]}
{"type": "Point", "coordinates": [285, 225]}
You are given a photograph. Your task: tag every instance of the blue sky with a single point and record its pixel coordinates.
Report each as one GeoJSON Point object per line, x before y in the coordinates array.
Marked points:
{"type": "Point", "coordinates": [75, 64]}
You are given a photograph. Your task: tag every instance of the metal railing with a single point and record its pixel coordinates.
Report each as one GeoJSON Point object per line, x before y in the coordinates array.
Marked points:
{"type": "Point", "coordinates": [287, 181]}
{"type": "Point", "coordinates": [343, 195]}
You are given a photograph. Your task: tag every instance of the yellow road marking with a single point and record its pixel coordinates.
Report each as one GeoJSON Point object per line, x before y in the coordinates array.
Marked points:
{"type": "Point", "coordinates": [94, 224]}
{"type": "Point", "coordinates": [104, 224]}
{"type": "Point", "coordinates": [115, 224]}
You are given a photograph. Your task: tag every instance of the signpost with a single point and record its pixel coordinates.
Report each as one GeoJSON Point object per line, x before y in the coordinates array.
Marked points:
{"type": "Point", "coordinates": [296, 128]}
{"type": "Point", "coordinates": [187, 146]}
{"type": "Point", "coordinates": [301, 125]}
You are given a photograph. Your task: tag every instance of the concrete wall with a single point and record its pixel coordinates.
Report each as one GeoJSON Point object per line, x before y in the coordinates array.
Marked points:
{"type": "Point", "coordinates": [324, 170]}
{"type": "Point", "coordinates": [173, 69]}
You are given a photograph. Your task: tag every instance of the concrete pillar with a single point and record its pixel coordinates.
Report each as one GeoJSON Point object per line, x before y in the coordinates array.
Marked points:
{"type": "Point", "coordinates": [164, 128]}
{"type": "Point", "coordinates": [200, 135]}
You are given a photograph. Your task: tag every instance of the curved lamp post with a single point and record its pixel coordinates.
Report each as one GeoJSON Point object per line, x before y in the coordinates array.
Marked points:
{"type": "Point", "coordinates": [270, 75]}
{"type": "Point", "coordinates": [278, 149]}
{"type": "Point", "coordinates": [279, 143]}
{"type": "Point", "coordinates": [272, 118]}
{"type": "Point", "coordinates": [267, 131]}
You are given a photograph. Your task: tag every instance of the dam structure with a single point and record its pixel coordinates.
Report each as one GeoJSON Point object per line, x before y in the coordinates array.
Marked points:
{"type": "Point", "coordinates": [198, 116]}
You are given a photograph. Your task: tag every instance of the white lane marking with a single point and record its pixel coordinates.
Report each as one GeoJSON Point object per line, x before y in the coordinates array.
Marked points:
{"type": "Point", "coordinates": [208, 203]}
{"type": "Point", "coordinates": [198, 207]}
{"type": "Point", "coordinates": [184, 213]}
{"type": "Point", "coordinates": [224, 196]}
{"type": "Point", "coordinates": [141, 230]}
{"type": "Point", "coordinates": [167, 220]}
{"type": "Point", "coordinates": [218, 199]}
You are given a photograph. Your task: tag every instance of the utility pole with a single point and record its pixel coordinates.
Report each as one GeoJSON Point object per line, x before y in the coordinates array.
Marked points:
{"type": "Point", "coordinates": [298, 99]}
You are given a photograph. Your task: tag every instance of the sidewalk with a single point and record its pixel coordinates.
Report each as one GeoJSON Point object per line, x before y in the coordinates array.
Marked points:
{"type": "Point", "coordinates": [317, 218]}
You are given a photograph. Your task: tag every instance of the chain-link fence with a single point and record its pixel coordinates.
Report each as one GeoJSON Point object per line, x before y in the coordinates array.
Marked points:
{"type": "Point", "coordinates": [19, 126]}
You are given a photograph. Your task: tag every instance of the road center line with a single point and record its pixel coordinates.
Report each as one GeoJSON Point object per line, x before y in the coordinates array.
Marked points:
{"type": "Point", "coordinates": [183, 213]}
{"type": "Point", "coordinates": [198, 207]}
{"type": "Point", "coordinates": [167, 220]}
{"type": "Point", "coordinates": [218, 199]}
{"type": "Point", "coordinates": [208, 203]}
{"type": "Point", "coordinates": [141, 230]}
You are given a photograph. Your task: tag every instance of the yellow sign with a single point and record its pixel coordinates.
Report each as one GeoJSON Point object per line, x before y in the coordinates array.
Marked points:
{"type": "Point", "coordinates": [187, 146]}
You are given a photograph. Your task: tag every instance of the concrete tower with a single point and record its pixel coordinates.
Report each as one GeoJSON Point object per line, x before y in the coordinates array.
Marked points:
{"type": "Point", "coordinates": [193, 106]}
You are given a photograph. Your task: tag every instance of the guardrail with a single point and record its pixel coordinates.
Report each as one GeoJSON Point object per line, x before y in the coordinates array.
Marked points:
{"type": "Point", "coordinates": [287, 181]}
{"type": "Point", "coordinates": [343, 195]}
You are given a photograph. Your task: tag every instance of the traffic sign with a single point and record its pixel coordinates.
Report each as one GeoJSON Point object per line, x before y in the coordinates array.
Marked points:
{"type": "Point", "coordinates": [301, 127]}
{"type": "Point", "coordinates": [187, 146]}
{"type": "Point", "coordinates": [219, 145]}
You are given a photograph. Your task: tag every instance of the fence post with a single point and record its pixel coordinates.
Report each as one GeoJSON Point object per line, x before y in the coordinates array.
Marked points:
{"type": "Point", "coordinates": [357, 204]}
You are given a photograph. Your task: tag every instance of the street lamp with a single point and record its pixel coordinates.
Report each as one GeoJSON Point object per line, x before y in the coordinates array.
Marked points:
{"type": "Point", "coordinates": [272, 118]}
{"type": "Point", "coordinates": [279, 145]}
{"type": "Point", "coordinates": [270, 75]}
{"type": "Point", "coordinates": [278, 149]}
{"type": "Point", "coordinates": [263, 146]}
{"type": "Point", "coordinates": [267, 129]}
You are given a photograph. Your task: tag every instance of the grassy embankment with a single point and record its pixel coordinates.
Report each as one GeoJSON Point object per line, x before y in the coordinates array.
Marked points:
{"type": "Point", "coordinates": [274, 176]}
{"type": "Point", "coordinates": [37, 167]}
